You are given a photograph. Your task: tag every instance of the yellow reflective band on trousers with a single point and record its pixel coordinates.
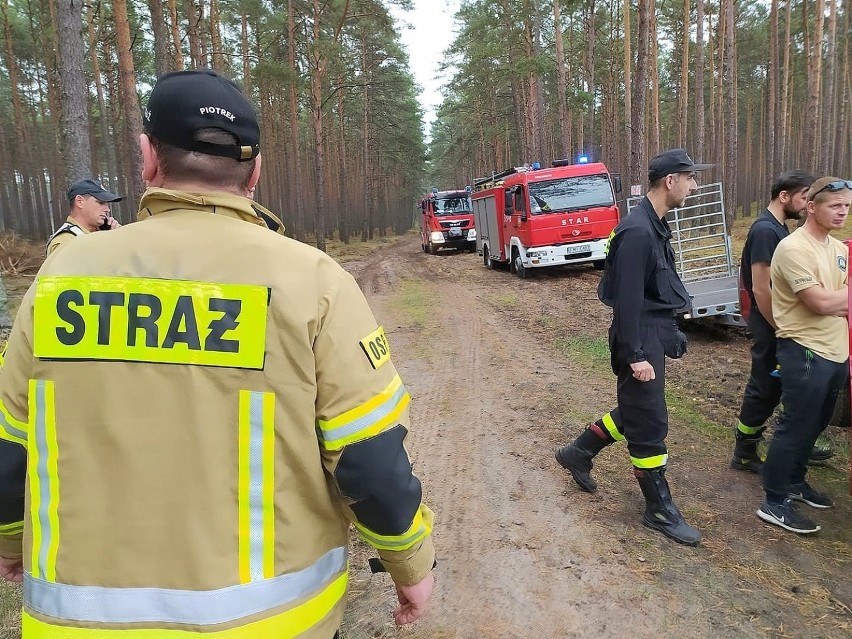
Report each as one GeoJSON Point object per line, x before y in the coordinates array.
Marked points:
{"type": "Point", "coordinates": [420, 527]}
{"type": "Point", "coordinates": [609, 424]}
{"type": "Point", "coordinates": [43, 476]}
{"type": "Point", "coordinates": [366, 420]}
{"type": "Point", "coordinates": [647, 463]}
{"type": "Point", "coordinates": [137, 319]}
{"type": "Point", "coordinates": [748, 430]}
{"type": "Point", "coordinates": [11, 429]}
{"type": "Point", "coordinates": [205, 608]}
{"type": "Point", "coordinates": [15, 528]}
{"type": "Point", "coordinates": [256, 486]}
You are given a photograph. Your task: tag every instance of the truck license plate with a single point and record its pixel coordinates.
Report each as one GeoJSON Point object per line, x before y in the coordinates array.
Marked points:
{"type": "Point", "coordinates": [455, 232]}
{"type": "Point", "coordinates": [577, 248]}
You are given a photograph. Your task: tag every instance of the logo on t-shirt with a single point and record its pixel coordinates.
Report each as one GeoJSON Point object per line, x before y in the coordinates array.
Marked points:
{"type": "Point", "coordinates": [841, 263]}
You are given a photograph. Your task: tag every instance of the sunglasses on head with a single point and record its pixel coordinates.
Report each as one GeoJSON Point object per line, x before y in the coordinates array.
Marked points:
{"type": "Point", "coordinates": [832, 187]}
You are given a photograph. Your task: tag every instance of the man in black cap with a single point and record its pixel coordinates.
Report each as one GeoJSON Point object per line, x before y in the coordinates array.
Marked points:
{"type": "Point", "coordinates": [273, 421]}
{"type": "Point", "coordinates": [643, 289]}
{"type": "Point", "coordinates": [89, 212]}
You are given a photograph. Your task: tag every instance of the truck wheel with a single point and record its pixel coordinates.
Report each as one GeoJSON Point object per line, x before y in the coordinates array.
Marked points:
{"type": "Point", "coordinates": [433, 250]}
{"type": "Point", "coordinates": [840, 416]}
{"type": "Point", "coordinates": [425, 248]}
{"type": "Point", "coordinates": [599, 265]}
{"type": "Point", "coordinates": [471, 247]}
{"type": "Point", "coordinates": [520, 270]}
{"type": "Point", "coordinates": [486, 257]}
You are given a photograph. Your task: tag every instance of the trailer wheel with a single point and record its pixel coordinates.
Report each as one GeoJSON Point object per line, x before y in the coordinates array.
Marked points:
{"type": "Point", "coordinates": [433, 250]}
{"type": "Point", "coordinates": [840, 416]}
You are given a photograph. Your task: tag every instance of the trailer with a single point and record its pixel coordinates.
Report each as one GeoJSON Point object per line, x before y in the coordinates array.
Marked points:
{"type": "Point", "coordinates": [704, 255]}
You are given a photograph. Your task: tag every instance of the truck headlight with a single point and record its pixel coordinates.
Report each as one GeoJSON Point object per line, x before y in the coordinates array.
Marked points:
{"type": "Point", "coordinates": [437, 237]}
{"type": "Point", "coordinates": [471, 234]}
{"type": "Point", "coordinates": [536, 254]}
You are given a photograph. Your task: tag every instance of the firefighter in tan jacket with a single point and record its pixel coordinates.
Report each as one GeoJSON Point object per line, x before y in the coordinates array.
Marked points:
{"type": "Point", "coordinates": [206, 407]}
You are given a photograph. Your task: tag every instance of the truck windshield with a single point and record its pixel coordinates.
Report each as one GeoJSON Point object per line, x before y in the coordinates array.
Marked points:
{"type": "Point", "coordinates": [453, 206]}
{"type": "Point", "coordinates": [570, 194]}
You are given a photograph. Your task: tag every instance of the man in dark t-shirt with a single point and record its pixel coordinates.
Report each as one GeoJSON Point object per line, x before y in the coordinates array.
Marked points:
{"type": "Point", "coordinates": [763, 391]}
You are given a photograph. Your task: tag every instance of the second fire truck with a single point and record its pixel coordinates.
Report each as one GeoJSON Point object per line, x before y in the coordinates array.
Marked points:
{"type": "Point", "coordinates": [446, 221]}
{"type": "Point", "coordinates": [529, 217]}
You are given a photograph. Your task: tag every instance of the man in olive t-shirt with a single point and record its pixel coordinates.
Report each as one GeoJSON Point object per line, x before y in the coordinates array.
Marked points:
{"type": "Point", "coordinates": [810, 307]}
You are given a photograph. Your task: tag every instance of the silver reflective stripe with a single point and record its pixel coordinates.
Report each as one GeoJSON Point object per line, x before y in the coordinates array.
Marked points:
{"type": "Point", "coordinates": [193, 607]}
{"type": "Point", "coordinates": [12, 430]}
{"type": "Point", "coordinates": [256, 486]}
{"type": "Point", "coordinates": [44, 479]}
{"type": "Point", "coordinates": [375, 415]}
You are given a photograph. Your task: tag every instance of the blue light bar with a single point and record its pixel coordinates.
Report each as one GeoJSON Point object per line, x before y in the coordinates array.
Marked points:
{"type": "Point", "coordinates": [582, 159]}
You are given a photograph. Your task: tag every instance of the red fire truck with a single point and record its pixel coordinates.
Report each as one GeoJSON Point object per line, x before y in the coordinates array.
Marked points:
{"type": "Point", "coordinates": [446, 221]}
{"type": "Point", "coordinates": [529, 217]}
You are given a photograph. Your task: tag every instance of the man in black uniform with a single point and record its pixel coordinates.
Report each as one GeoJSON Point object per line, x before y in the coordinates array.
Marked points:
{"type": "Point", "coordinates": [643, 289]}
{"type": "Point", "coordinates": [763, 390]}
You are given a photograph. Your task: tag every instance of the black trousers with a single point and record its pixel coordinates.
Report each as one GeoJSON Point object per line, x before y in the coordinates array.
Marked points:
{"type": "Point", "coordinates": [809, 387]}
{"type": "Point", "coordinates": [763, 390]}
{"type": "Point", "coordinates": [641, 416]}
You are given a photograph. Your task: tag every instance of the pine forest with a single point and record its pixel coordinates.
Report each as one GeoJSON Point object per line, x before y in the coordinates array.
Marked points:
{"type": "Point", "coordinates": [755, 87]}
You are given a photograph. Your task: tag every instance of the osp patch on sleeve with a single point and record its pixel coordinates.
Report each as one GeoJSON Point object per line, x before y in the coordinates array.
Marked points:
{"type": "Point", "coordinates": [150, 320]}
{"type": "Point", "coordinates": [376, 347]}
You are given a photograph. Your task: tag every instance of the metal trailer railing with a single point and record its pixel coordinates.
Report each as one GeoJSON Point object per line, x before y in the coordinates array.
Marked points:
{"type": "Point", "coordinates": [704, 255]}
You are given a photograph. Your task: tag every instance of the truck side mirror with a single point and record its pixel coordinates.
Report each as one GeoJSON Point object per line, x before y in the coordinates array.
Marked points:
{"type": "Point", "coordinates": [616, 182]}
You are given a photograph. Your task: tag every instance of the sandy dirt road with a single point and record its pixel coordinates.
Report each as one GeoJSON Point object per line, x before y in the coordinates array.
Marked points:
{"type": "Point", "coordinates": [501, 372]}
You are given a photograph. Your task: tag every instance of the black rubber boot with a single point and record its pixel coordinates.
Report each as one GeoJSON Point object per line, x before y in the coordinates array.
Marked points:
{"type": "Point", "coordinates": [660, 512]}
{"type": "Point", "coordinates": [577, 458]}
{"type": "Point", "coordinates": [745, 456]}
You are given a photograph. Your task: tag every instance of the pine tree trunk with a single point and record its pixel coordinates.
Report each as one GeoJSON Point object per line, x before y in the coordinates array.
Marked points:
{"type": "Point", "coordinates": [639, 160]}
{"type": "Point", "coordinates": [177, 60]}
{"type": "Point", "coordinates": [161, 37]}
{"type": "Point", "coordinates": [772, 89]}
{"type": "Point", "coordinates": [217, 57]}
{"type": "Point", "coordinates": [814, 75]}
{"type": "Point", "coordinates": [654, 145]}
{"type": "Point", "coordinates": [699, 80]}
{"type": "Point", "coordinates": [628, 87]}
{"type": "Point", "coordinates": [829, 115]}
{"type": "Point", "coordinates": [729, 92]}
{"type": "Point", "coordinates": [72, 93]}
{"type": "Point", "coordinates": [129, 97]}
{"type": "Point", "coordinates": [561, 84]}
{"type": "Point", "coordinates": [683, 93]}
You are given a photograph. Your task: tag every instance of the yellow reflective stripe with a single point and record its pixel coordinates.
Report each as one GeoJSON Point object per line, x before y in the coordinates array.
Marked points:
{"type": "Point", "coordinates": [366, 420]}
{"type": "Point", "coordinates": [285, 625]}
{"type": "Point", "coordinates": [268, 485]}
{"type": "Point", "coordinates": [53, 480]}
{"type": "Point", "coordinates": [43, 474]}
{"type": "Point", "coordinates": [10, 428]}
{"type": "Point", "coordinates": [256, 479]}
{"type": "Point", "coordinates": [14, 528]}
{"type": "Point", "coordinates": [609, 424]}
{"type": "Point", "coordinates": [244, 514]}
{"type": "Point", "coordinates": [657, 461]}
{"type": "Point", "coordinates": [749, 430]}
{"type": "Point", "coordinates": [420, 527]}
{"type": "Point", "coordinates": [365, 408]}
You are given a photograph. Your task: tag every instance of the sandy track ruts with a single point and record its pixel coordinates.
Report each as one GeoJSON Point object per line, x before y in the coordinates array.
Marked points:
{"type": "Point", "coordinates": [518, 555]}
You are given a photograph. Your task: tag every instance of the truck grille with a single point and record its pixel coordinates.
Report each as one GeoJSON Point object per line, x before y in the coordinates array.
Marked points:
{"type": "Point", "coordinates": [455, 224]}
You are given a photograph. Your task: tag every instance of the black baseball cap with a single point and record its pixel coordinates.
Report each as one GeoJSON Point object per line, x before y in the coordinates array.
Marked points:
{"type": "Point", "coordinates": [184, 102]}
{"type": "Point", "coordinates": [673, 161]}
{"type": "Point", "coordinates": [90, 187]}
